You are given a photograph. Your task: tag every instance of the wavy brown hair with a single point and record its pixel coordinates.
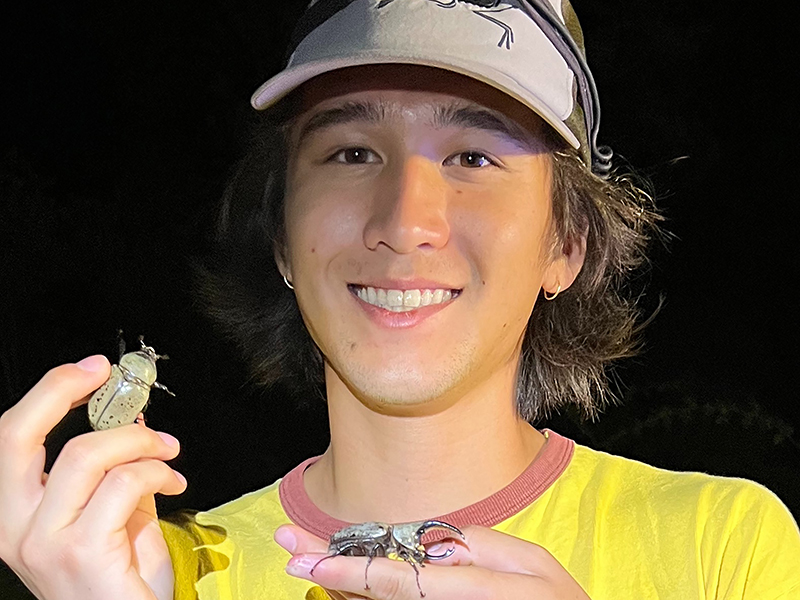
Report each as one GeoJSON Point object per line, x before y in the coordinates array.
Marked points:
{"type": "Point", "coordinates": [569, 343]}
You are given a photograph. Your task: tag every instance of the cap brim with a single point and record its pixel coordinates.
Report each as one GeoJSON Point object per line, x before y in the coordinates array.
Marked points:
{"type": "Point", "coordinates": [291, 78]}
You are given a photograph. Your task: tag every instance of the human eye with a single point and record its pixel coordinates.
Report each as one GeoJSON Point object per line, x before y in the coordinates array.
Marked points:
{"type": "Point", "coordinates": [354, 156]}
{"type": "Point", "coordinates": [471, 159]}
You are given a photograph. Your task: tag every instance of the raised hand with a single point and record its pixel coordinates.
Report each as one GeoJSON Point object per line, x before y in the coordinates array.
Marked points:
{"type": "Point", "coordinates": [491, 565]}
{"type": "Point", "coordinates": [89, 529]}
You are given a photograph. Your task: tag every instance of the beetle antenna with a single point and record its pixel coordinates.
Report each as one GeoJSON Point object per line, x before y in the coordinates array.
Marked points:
{"type": "Point", "coordinates": [120, 342]}
{"type": "Point", "coordinates": [149, 349]}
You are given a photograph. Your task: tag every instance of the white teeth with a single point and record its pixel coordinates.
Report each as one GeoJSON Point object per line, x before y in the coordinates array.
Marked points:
{"type": "Point", "coordinates": [411, 298]}
{"type": "Point", "coordinates": [394, 298]}
{"type": "Point", "coordinates": [427, 298]}
{"type": "Point", "coordinates": [402, 300]}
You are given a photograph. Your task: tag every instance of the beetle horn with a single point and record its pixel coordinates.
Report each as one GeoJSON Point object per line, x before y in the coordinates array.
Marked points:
{"type": "Point", "coordinates": [434, 524]}
{"type": "Point", "coordinates": [448, 552]}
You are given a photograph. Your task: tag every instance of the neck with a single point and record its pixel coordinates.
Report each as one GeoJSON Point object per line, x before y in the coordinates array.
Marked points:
{"type": "Point", "coordinates": [392, 468]}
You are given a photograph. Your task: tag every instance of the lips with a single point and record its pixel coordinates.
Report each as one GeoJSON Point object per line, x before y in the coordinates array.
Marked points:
{"type": "Point", "coordinates": [405, 300]}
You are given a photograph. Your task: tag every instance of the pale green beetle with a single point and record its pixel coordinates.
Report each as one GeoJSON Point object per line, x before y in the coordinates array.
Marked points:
{"type": "Point", "coordinates": [126, 392]}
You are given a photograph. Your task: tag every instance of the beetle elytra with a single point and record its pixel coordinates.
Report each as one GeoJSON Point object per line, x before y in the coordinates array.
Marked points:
{"type": "Point", "coordinates": [126, 392]}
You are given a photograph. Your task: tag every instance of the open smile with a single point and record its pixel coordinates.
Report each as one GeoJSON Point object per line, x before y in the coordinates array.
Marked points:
{"type": "Point", "coordinates": [403, 300]}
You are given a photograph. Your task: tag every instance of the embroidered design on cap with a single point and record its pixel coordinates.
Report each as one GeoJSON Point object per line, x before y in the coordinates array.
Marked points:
{"type": "Point", "coordinates": [482, 7]}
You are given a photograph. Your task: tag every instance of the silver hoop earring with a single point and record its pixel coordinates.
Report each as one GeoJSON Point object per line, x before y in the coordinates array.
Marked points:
{"type": "Point", "coordinates": [288, 284]}
{"type": "Point", "coordinates": [553, 297]}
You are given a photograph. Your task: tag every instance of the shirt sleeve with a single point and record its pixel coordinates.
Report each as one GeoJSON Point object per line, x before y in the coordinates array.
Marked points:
{"type": "Point", "coordinates": [760, 552]}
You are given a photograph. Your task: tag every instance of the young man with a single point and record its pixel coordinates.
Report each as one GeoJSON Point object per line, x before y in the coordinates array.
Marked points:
{"type": "Point", "coordinates": [433, 196]}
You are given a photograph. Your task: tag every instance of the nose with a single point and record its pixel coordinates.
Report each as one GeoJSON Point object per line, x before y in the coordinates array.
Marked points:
{"type": "Point", "coordinates": [409, 210]}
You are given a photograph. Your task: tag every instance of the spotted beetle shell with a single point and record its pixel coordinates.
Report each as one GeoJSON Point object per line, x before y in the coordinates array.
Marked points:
{"type": "Point", "coordinates": [121, 398]}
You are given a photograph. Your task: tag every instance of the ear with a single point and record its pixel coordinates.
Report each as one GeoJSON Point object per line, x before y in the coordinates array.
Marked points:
{"type": "Point", "coordinates": [283, 264]}
{"type": "Point", "coordinates": [565, 265]}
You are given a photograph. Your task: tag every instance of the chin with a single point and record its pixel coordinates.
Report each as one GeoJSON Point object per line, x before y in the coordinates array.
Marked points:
{"type": "Point", "coordinates": [407, 386]}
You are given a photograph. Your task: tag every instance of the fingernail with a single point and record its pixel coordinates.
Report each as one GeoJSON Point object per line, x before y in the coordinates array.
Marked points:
{"type": "Point", "coordinates": [180, 477]}
{"type": "Point", "coordinates": [437, 548]}
{"type": "Point", "coordinates": [168, 439]}
{"type": "Point", "coordinates": [92, 364]}
{"type": "Point", "coordinates": [301, 565]}
{"type": "Point", "coordinates": [286, 539]}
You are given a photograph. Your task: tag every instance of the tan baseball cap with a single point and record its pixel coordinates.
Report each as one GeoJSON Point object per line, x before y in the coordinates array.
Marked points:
{"type": "Point", "coordinates": [530, 49]}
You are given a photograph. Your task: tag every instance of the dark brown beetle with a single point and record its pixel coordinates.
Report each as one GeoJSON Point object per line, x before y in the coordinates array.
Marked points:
{"type": "Point", "coordinates": [398, 542]}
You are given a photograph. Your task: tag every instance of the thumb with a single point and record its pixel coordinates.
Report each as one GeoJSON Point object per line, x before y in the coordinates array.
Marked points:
{"type": "Point", "coordinates": [297, 540]}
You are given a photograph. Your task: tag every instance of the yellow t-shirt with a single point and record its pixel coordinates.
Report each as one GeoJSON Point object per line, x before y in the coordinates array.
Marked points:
{"type": "Point", "coordinates": [623, 530]}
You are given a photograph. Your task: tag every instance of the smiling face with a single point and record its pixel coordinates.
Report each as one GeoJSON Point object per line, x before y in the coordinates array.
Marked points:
{"type": "Point", "coordinates": [418, 232]}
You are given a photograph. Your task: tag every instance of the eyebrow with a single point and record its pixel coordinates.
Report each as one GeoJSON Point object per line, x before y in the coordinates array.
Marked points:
{"type": "Point", "coordinates": [471, 117]}
{"type": "Point", "coordinates": [474, 117]}
{"type": "Point", "coordinates": [350, 112]}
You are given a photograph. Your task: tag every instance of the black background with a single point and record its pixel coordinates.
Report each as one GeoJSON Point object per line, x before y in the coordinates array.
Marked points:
{"type": "Point", "coordinates": [121, 122]}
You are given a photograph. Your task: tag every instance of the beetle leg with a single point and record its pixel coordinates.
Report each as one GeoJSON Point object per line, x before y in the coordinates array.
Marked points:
{"type": "Point", "coordinates": [370, 556]}
{"type": "Point", "coordinates": [416, 572]}
{"type": "Point", "coordinates": [162, 387]}
{"type": "Point", "coordinates": [311, 572]}
{"type": "Point", "coordinates": [334, 552]}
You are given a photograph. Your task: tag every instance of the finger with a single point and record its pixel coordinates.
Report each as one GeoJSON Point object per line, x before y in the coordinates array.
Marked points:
{"type": "Point", "coordinates": [496, 551]}
{"type": "Point", "coordinates": [28, 422]}
{"type": "Point", "coordinates": [24, 427]}
{"type": "Point", "coordinates": [61, 389]}
{"type": "Point", "coordinates": [398, 580]}
{"type": "Point", "coordinates": [84, 462]}
{"type": "Point", "coordinates": [297, 540]}
{"type": "Point", "coordinates": [121, 493]}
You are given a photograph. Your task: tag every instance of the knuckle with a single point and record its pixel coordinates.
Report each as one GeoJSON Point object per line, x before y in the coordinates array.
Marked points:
{"type": "Point", "coordinates": [72, 559]}
{"type": "Point", "coordinates": [78, 452]}
{"type": "Point", "coordinates": [9, 433]}
{"type": "Point", "coordinates": [122, 478]}
{"type": "Point", "coordinates": [30, 553]}
{"type": "Point", "coordinates": [155, 445]}
{"type": "Point", "coordinates": [59, 376]}
{"type": "Point", "coordinates": [163, 469]}
{"type": "Point", "coordinates": [139, 476]}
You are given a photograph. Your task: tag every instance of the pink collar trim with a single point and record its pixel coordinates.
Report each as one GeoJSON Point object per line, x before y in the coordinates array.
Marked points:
{"type": "Point", "coordinates": [532, 483]}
